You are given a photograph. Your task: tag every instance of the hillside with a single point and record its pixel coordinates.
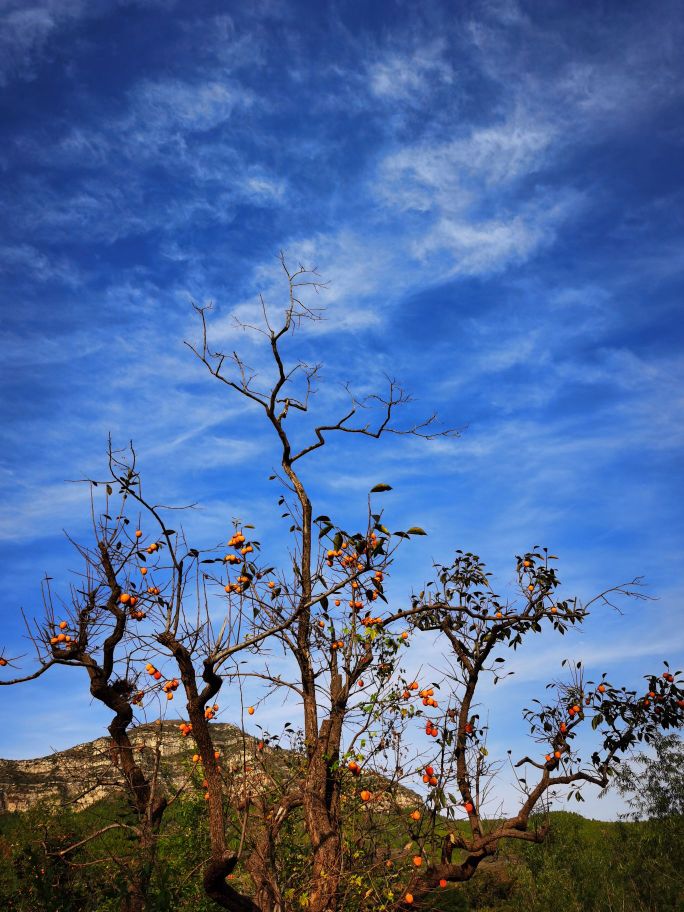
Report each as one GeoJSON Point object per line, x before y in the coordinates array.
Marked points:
{"type": "Point", "coordinates": [85, 774]}
{"type": "Point", "coordinates": [54, 802]}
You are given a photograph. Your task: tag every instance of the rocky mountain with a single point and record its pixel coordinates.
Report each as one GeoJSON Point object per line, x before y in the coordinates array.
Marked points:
{"type": "Point", "coordinates": [86, 773]}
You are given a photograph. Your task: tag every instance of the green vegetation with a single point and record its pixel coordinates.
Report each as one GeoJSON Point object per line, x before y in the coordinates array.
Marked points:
{"type": "Point", "coordinates": [585, 866]}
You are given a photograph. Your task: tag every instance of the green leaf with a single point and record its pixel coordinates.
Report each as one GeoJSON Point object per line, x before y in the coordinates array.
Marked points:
{"type": "Point", "coordinates": [380, 487]}
{"type": "Point", "coordinates": [416, 530]}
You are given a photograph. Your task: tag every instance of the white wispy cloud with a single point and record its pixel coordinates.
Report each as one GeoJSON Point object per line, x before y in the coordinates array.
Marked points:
{"type": "Point", "coordinates": [398, 75]}
{"type": "Point", "coordinates": [452, 174]}
{"type": "Point", "coordinates": [27, 261]}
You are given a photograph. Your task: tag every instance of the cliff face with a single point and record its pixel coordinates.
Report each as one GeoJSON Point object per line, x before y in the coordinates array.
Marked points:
{"type": "Point", "coordinates": [86, 773]}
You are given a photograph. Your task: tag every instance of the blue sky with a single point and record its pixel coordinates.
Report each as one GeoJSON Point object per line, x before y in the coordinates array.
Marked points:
{"type": "Point", "coordinates": [493, 191]}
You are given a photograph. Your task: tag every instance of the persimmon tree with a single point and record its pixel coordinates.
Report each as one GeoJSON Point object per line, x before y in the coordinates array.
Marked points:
{"type": "Point", "coordinates": [331, 645]}
{"type": "Point", "coordinates": [89, 629]}
{"type": "Point", "coordinates": [479, 627]}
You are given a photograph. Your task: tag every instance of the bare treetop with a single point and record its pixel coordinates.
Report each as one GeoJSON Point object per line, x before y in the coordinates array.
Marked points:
{"type": "Point", "coordinates": [277, 401]}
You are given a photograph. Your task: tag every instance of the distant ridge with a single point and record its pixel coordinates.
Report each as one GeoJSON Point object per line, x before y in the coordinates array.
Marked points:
{"type": "Point", "coordinates": [85, 774]}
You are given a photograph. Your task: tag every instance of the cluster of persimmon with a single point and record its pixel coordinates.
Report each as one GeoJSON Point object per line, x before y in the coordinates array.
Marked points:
{"type": "Point", "coordinates": [169, 688]}
{"type": "Point", "coordinates": [239, 543]}
{"type": "Point", "coordinates": [137, 698]}
{"type": "Point", "coordinates": [241, 585]}
{"type": "Point", "coordinates": [426, 695]}
{"type": "Point", "coordinates": [431, 729]}
{"type": "Point", "coordinates": [556, 755]}
{"type": "Point", "coordinates": [185, 729]}
{"type": "Point", "coordinates": [337, 644]}
{"type": "Point", "coordinates": [153, 672]}
{"type": "Point", "coordinates": [152, 548]}
{"type": "Point", "coordinates": [669, 677]}
{"type": "Point", "coordinates": [130, 601]}
{"type": "Point", "coordinates": [428, 698]}
{"type": "Point", "coordinates": [153, 590]}
{"type": "Point", "coordinates": [429, 777]}
{"type": "Point", "coordinates": [60, 637]}
{"type": "Point", "coordinates": [369, 621]}
{"type": "Point", "coordinates": [353, 559]}
{"type": "Point", "coordinates": [210, 712]}
{"type": "Point", "coordinates": [660, 697]}
{"type": "Point", "coordinates": [574, 709]}
{"type": "Point", "coordinates": [346, 560]}
{"type": "Point", "coordinates": [354, 768]}
{"type": "Point", "coordinates": [331, 555]}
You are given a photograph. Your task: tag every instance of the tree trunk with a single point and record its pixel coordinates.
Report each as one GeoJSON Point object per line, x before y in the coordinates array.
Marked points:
{"type": "Point", "coordinates": [261, 866]}
{"type": "Point", "coordinates": [322, 816]}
